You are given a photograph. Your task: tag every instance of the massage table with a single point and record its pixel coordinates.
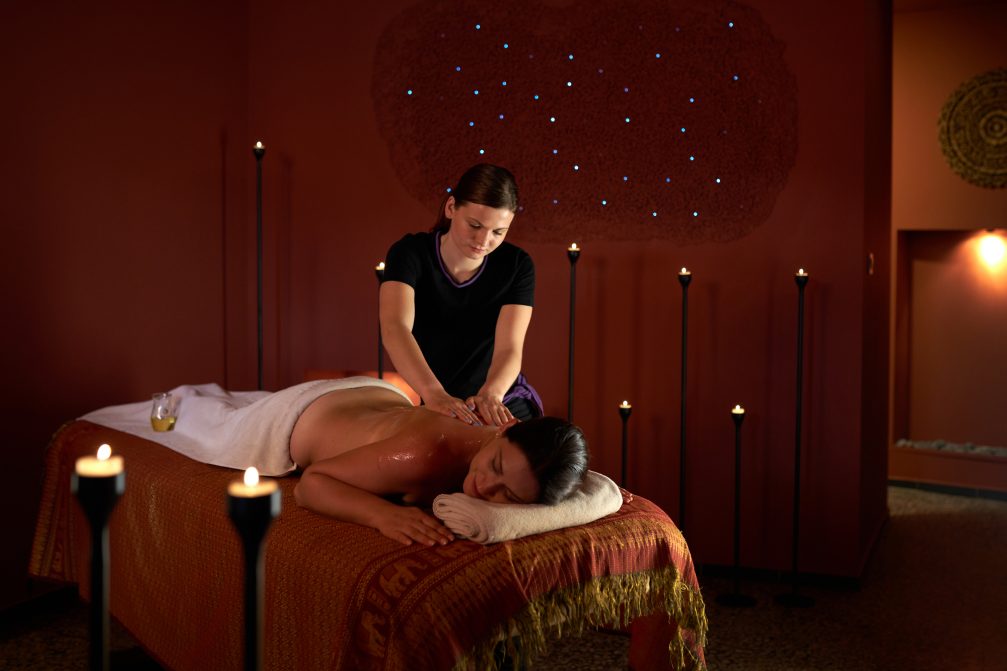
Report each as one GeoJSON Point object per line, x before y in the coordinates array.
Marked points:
{"type": "Point", "coordinates": [342, 596]}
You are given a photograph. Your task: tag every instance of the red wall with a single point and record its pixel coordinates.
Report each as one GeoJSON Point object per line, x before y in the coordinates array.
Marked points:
{"type": "Point", "coordinates": [335, 205]}
{"type": "Point", "coordinates": [948, 307]}
{"type": "Point", "coordinates": [935, 52]}
{"type": "Point", "coordinates": [957, 375]}
{"type": "Point", "coordinates": [876, 288]}
{"type": "Point", "coordinates": [136, 125]}
{"type": "Point", "coordinates": [122, 180]}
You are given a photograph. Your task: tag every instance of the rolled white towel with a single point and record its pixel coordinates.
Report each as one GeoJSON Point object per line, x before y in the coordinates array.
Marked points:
{"type": "Point", "coordinates": [487, 522]}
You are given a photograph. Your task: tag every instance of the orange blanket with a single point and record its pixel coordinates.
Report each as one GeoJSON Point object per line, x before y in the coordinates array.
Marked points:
{"type": "Point", "coordinates": [341, 596]}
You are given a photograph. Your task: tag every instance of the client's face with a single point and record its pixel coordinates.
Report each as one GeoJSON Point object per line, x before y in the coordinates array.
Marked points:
{"type": "Point", "coordinates": [500, 472]}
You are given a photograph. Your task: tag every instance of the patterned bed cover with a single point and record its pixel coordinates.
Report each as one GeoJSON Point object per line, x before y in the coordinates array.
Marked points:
{"type": "Point", "coordinates": [341, 596]}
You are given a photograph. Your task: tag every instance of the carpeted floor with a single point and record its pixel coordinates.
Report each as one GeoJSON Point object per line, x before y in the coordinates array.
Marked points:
{"type": "Point", "coordinates": [934, 597]}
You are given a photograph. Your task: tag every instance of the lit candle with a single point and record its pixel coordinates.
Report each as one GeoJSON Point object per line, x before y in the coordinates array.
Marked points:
{"type": "Point", "coordinates": [101, 466]}
{"type": "Point", "coordinates": [252, 506]}
{"type": "Point", "coordinates": [572, 253]}
{"type": "Point", "coordinates": [250, 486]}
{"type": "Point", "coordinates": [98, 482]}
{"type": "Point", "coordinates": [801, 280]}
{"type": "Point", "coordinates": [625, 409]}
{"type": "Point", "coordinates": [684, 278]}
{"type": "Point", "coordinates": [736, 598]}
{"type": "Point", "coordinates": [379, 273]}
{"type": "Point", "coordinates": [259, 150]}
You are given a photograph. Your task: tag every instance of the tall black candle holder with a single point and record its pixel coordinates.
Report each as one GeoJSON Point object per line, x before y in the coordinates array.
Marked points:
{"type": "Point", "coordinates": [259, 150]}
{"type": "Point", "coordinates": [684, 278]}
{"type": "Point", "coordinates": [252, 507]}
{"type": "Point", "coordinates": [736, 599]}
{"type": "Point", "coordinates": [98, 484]}
{"type": "Point", "coordinates": [379, 272]}
{"type": "Point", "coordinates": [625, 410]}
{"type": "Point", "coordinates": [572, 253]}
{"type": "Point", "coordinates": [793, 598]}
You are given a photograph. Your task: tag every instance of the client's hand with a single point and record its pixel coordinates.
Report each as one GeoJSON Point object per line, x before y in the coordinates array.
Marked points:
{"type": "Point", "coordinates": [406, 525]}
{"type": "Point", "coordinates": [491, 408]}
{"type": "Point", "coordinates": [446, 404]}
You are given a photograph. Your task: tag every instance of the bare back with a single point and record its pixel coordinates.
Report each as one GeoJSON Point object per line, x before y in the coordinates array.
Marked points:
{"type": "Point", "coordinates": [346, 419]}
{"type": "Point", "coordinates": [377, 441]}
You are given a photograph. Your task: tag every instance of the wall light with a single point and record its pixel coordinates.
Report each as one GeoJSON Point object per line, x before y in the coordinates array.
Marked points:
{"type": "Point", "coordinates": [992, 249]}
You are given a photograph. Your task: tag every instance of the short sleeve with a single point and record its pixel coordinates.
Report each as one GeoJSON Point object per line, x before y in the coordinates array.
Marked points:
{"type": "Point", "coordinates": [403, 262]}
{"type": "Point", "coordinates": [522, 289]}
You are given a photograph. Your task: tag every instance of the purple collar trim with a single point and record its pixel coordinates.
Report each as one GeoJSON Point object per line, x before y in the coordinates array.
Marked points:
{"type": "Point", "coordinates": [437, 250]}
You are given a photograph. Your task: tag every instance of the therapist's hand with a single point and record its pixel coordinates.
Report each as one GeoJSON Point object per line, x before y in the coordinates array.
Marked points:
{"type": "Point", "coordinates": [446, 404]}
{"type": "Point", "coordinates": [490, 408]}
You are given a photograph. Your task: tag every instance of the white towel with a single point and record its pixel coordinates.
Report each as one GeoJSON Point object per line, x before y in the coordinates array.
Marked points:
{"type": "Point", "coordinates": [487, 522]}
{"type": "Point", "coordinates": [233, 429]}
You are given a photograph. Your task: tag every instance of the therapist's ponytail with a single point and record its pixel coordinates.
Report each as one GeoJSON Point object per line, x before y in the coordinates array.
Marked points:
{"type": "Point", "coordinates": [482, 184]}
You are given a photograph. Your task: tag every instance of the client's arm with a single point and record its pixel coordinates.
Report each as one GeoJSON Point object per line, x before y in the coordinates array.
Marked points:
{"type": "Point", "coordinates": [350, 487]}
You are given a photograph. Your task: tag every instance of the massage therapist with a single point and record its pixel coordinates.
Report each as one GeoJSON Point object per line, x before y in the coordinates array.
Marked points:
{"type": "Point", "coordinates": [455, 305]}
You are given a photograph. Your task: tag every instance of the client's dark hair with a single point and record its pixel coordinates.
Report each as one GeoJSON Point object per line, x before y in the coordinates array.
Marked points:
{"type": "Point", "coordinates": [482, 184]}
{"type": "Point", "coordinates": [557, 452]}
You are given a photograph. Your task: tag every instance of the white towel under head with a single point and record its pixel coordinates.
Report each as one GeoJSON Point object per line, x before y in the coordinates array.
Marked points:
{"type": "Point", "coordinates": [487, 522]}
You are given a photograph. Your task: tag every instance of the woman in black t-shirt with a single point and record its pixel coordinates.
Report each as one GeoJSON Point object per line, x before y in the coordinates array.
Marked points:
{"type": "Point", "coordinates": [455, 305]}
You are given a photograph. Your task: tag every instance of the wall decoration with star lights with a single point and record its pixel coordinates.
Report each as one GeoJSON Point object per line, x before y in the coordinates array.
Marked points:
{"type": "Point", "coordinates": [621, 120]}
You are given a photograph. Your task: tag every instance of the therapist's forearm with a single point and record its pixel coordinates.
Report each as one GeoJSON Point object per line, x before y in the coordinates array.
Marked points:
{"type": "Point", "coordinates": [409, 361]}
{"type": "Point", "coordinates": [503, 371]}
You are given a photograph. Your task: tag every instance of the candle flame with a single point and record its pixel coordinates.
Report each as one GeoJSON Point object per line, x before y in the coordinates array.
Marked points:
{"type": "Point", "coordinates": [258, 144]}
{"type": "Point", "coordinates": [573, 247]}
{"type": "Point", "coordinates": [380, 266]}
{"type": "Point", "coordinates": [684, 271]}
{"type": "Point", "coordinates": [251, 476]}
{"type": "Point", "coordinates": [625, 404]}
{"type": "Point", "coordinates": [800, 271]}
{"type": "Point", "coordinates": [738, 410]}
{"type": "Point", "coordinates": [104, 452]}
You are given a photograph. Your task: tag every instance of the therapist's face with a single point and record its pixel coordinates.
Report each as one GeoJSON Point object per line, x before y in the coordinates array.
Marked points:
{"type": "Point", "coordinates": [476, 230]}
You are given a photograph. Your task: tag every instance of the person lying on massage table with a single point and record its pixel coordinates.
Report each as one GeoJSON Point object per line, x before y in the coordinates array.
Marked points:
{"type": "Point", "coordinates": [362, 450]}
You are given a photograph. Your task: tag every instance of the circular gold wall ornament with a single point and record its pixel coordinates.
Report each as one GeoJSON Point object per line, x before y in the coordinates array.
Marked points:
{"type": "Point", "coordinates": [973, 130]}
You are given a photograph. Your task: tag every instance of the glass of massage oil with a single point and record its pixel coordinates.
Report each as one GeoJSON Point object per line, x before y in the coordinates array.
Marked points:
{"type": "Point", "coordinates": [164, 412]}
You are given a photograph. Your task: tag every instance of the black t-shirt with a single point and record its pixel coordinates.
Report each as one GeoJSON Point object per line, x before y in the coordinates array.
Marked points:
{"type": "Point", "coordinates": [455, 323]}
